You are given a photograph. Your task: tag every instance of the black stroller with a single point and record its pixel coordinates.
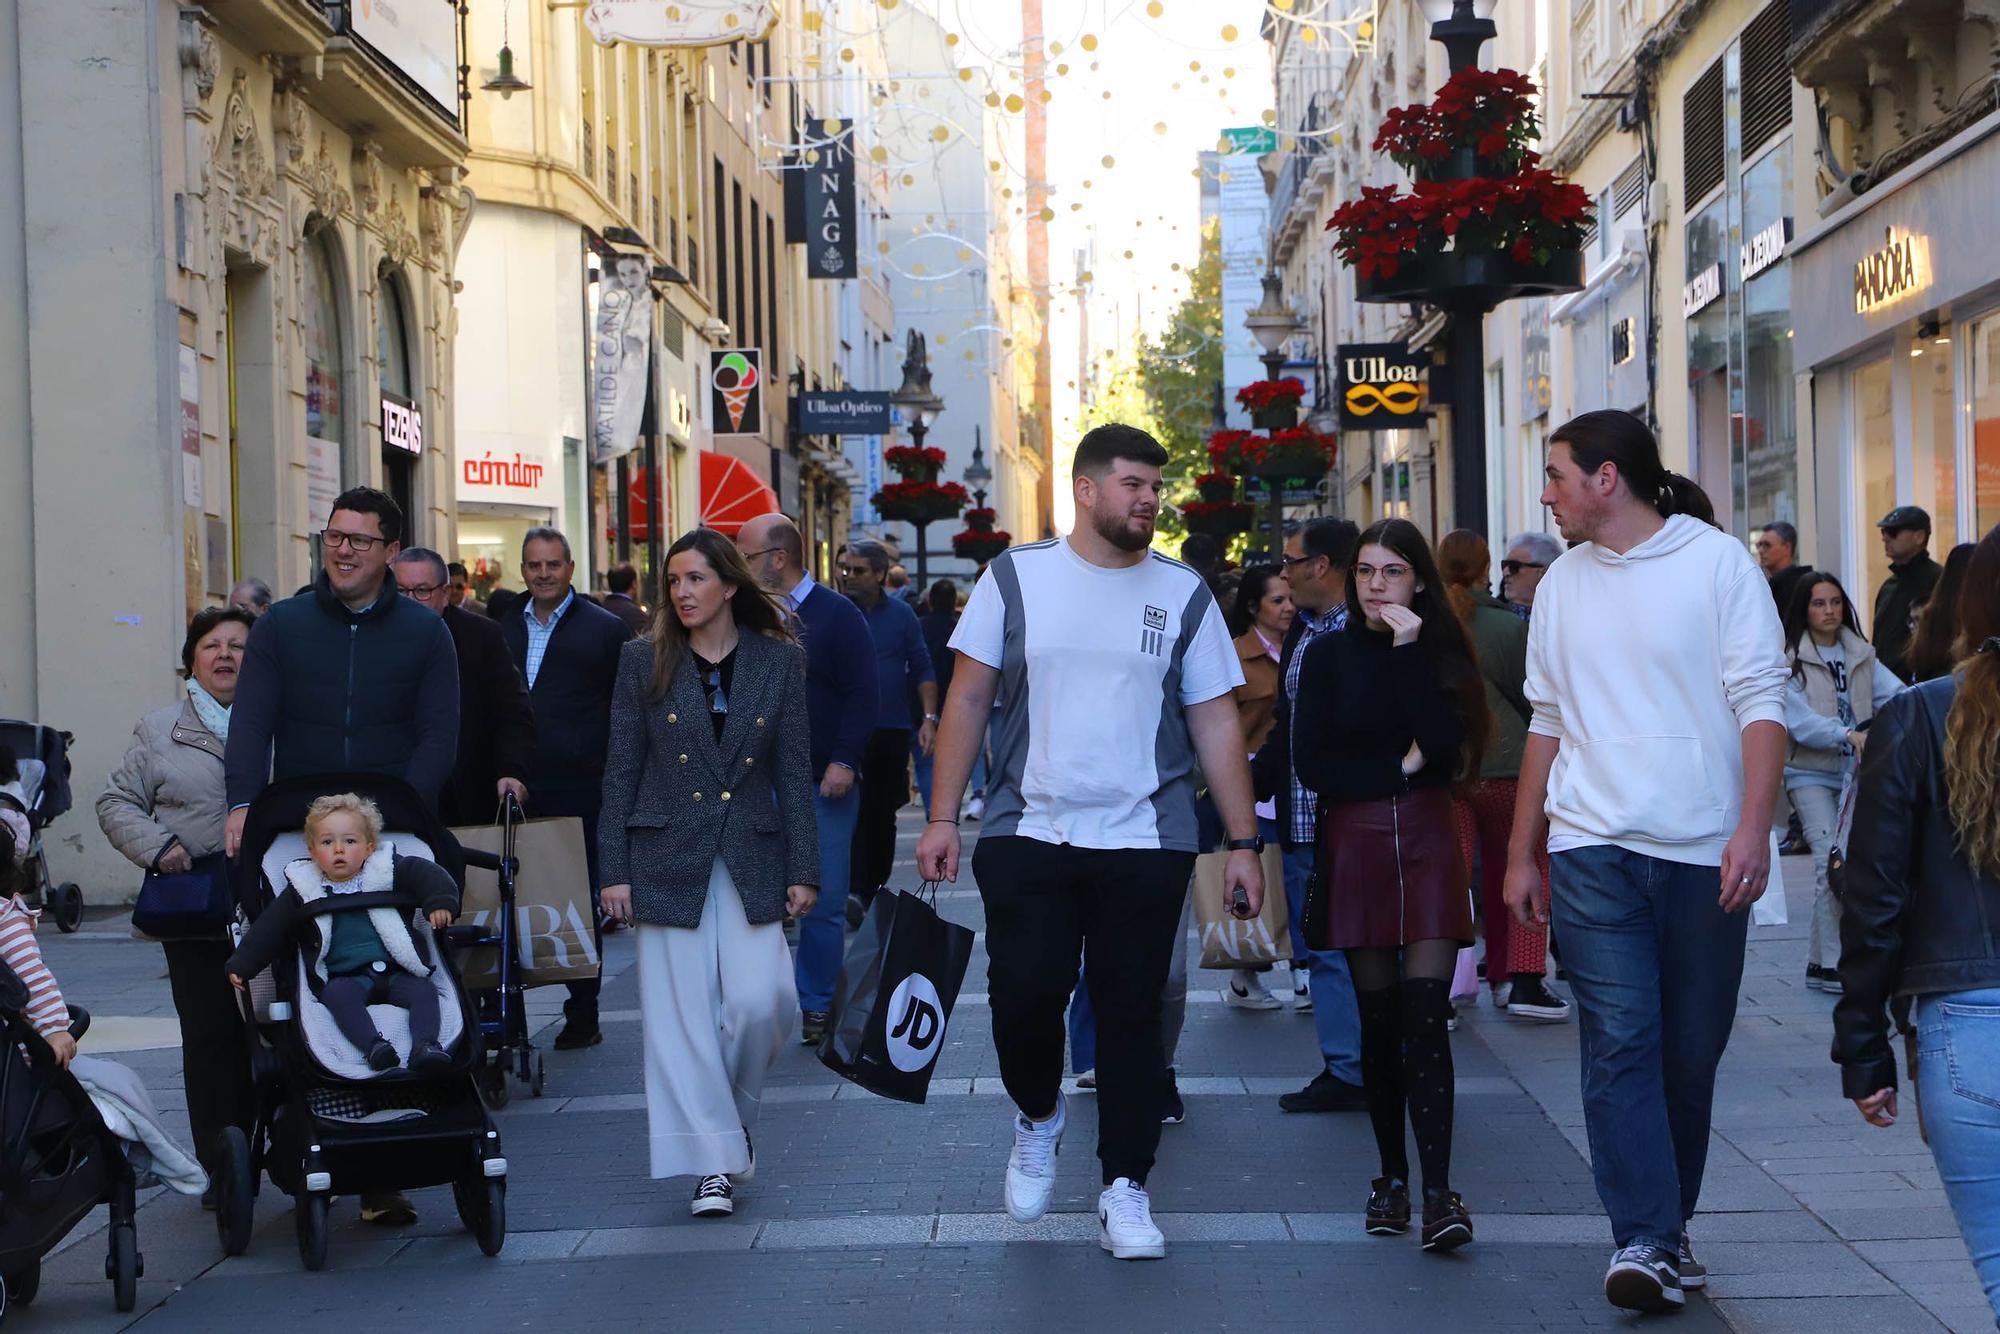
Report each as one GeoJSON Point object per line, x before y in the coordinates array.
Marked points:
{"type": "Point", "coordinates": [42, 753]}
{"type": "Point", "coordinates": [326, 1124]}
{"type": "Point", "coordinates": [58, 1161]}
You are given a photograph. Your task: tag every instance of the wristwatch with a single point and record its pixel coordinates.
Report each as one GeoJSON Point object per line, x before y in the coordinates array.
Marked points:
{"type": "Point", "coordinates": [1246, 844]}
{"type": "Point", "coordinates": [930, 717]}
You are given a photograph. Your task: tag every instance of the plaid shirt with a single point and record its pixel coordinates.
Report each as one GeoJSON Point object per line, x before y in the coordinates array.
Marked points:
{"type": "Point", "coordinates": [1305, 804]}
{"type": "Point", "coordinates": [538, 634]}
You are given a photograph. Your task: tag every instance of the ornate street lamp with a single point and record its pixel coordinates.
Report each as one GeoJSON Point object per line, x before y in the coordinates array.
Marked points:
{"type": "Point", "coordinates": [506, 82]}
{"type": "Point", "coordinates": [920, 406]}
{"type": "Point", "coordinates": [977, 474]}
{"type": "Point", "coordinates": [1461, 27]}
{"type": "Point", "coordinates": [1273, 323]}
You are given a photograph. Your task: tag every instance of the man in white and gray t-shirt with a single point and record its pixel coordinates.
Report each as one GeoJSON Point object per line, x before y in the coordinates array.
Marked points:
{"type": "Point", "coordinates": [1116, 672]}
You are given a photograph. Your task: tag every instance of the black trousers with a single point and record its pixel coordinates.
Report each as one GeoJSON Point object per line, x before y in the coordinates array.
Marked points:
{"type": "Point", "coordinates": [885, 789]}
{"type": "Point", "coordinates": [347, 999]}
{"type": "Point", "coordinates": [1049, 907]}
{"type": "Point", "coordinates": [215, 1051]}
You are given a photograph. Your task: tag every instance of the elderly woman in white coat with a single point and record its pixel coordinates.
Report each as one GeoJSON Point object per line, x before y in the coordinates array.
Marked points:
{"type": "Point", "coordinates": [163, 809]}
{"type": "Point", "coordinates": [707, 842]}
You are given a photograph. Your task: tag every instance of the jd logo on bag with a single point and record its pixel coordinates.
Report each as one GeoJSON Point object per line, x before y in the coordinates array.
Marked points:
{"type": "Point", "coordinates": [919, 1019]}
{"type": "Point", "coordinates": [892, 1006]}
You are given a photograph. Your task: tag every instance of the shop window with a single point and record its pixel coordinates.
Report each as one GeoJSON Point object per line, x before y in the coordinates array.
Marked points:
{"type": "Point", "coordinates": [392, 359]}
{"type": "Point", "coordinates": [1768, 430]}
{"type": "Point", "coordinates": [1874, 449]}
{"type": "Point", "coordinates": [1934, 436]}
{"type": "Point", "coordinates": [1986, 423]}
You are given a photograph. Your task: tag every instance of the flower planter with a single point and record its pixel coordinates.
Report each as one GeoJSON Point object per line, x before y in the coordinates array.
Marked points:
{"type": "Point", "coordinates": [980, 546]}
{"type": "Point", "coordinates": [1463, 165]}
{"type": "Point", "coordinates": [1221, 520]}
{"type": "Point", "coordinates": [1477, 281]}
{"type": "Point", "coordinates": [1277, 417]}
{"type": "Point", "coordinates": [1217, 492]}
{"type": "Point", "coordinates": [1287, 465]}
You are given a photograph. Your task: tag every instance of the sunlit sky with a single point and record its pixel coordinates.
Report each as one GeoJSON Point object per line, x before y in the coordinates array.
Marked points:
{"type": "Point", "coordinates": [1149, 84]}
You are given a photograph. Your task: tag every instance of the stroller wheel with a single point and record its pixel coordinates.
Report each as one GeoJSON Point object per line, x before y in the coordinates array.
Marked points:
{"type": "Point", "coordinates": [493, 1088]}
{"type": "Point", "coordinates": [310, 1214]}
{"type": "Point", "coordinates": [235, 1197]}
{"type": "Point", "coordinates": [23, 1284]}
{"type": "Point", "coordinates": [482, 1207]}
{"type": "Point", "coordinates": [123, 1266]}
{"type": "Point", "coordinates": [66, 903]}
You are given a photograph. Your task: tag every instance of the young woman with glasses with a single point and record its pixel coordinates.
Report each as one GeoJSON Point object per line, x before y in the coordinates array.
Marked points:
{"type": "Point", "coordinates": [708, 843]}
{"type": "Point", "coordinates": [1391, 714]}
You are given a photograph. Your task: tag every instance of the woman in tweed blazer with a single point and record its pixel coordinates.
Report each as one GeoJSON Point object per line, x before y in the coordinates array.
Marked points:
{"type": "Point", "coordinates": [707, 843]}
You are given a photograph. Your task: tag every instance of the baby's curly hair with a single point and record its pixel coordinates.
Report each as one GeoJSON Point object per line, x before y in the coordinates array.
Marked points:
{"type": "Point", "coordinates": [368, 812]}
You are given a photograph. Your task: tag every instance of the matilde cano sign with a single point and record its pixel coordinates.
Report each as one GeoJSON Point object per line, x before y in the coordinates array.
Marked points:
{"type": "Point", "coordinates": [680, 22]}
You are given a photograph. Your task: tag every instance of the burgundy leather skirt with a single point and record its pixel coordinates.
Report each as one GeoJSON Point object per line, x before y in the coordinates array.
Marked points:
{"type": "Point", "coordinates": [1389, 873]}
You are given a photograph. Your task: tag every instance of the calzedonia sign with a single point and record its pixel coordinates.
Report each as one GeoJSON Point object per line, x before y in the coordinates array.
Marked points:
{"type": "Point", "coordinates": [1381, 386]}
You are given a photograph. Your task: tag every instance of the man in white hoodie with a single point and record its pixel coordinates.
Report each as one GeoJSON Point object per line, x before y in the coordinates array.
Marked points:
{"type": "Point", "coordinates": [1657, 674]}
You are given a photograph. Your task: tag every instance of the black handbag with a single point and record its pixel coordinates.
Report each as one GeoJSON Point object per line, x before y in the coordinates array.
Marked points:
{"type": "Point", "coordinates": [194, 904]}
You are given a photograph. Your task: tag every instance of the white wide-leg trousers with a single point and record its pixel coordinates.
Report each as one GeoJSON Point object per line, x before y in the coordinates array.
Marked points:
{"type": "Point", "coordinates": [719, 1004]}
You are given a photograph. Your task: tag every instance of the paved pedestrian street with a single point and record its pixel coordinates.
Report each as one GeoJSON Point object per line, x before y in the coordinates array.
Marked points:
{"type": "Point", "coordinates": [869, 1215]}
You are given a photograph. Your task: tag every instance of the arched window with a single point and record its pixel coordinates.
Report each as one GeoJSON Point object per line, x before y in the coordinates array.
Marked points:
{"type": "Point", "coordinates": [392, 339]}
{"type": "Point", "coordinates": [324, 356]}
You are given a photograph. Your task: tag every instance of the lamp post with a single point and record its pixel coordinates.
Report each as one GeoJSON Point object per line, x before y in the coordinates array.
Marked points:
{"type": "Point", "coordinates": [977, 474]}
{"type": "Point", "coordinates": [1462, 27]}
{"type": "Point", "coordinates": [920, 406]}
{"type": "Point", "coordinates": [1272, 323]}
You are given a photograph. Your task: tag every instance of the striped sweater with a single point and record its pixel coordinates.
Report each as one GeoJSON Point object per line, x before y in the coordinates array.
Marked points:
{"type": "Point", "coordinates": [45, 1011]}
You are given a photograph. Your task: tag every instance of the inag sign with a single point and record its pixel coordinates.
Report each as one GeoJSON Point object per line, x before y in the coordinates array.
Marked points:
{"type": "Point", "coordinates": [1382, 386]}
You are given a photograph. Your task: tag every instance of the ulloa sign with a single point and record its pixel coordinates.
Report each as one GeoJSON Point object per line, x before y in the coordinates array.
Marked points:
{"type": "Point", "coordinates": [1382, 386]}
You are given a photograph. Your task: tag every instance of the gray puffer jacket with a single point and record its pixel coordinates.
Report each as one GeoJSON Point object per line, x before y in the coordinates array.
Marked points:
{"type": "Point", "coordinates": [168, 789]}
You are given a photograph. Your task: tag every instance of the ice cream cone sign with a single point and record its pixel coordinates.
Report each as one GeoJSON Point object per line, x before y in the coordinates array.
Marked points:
{"type": "Point", "coordinates": [738, 400]}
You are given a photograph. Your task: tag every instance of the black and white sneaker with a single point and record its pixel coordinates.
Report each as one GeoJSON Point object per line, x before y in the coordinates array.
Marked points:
{"type": "Point", "coordinates": [1694, 1274]}
{"type": "Point", "coordinates": [714, 1197]}
{"type": "Point", "coordinates": [1529, 998]}
{"type": "Point", "coordinates": [1644, 1278]}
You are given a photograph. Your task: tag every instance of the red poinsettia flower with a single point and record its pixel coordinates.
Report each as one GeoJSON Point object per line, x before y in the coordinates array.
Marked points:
{"type": "Point", "coordinates": [1260, 395]}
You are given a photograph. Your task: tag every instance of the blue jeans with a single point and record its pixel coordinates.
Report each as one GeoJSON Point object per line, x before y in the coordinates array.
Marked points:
{"type": "Point", "coordinates": [823, 933]}
{"type": "Point", "coordinates": [1958, 1080]}
{"type": "Point", "coordinates": [1335, 1015]}
{"type": "Point", "coordinates": [1654, 963]}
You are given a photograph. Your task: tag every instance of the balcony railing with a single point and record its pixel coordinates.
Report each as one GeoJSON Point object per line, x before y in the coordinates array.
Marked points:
{"type": "Point", "coordinates": [1308, 145]}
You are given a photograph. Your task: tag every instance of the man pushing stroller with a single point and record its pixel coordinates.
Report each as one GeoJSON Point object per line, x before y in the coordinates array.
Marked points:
{"type": "Point", "coordinates": [368, 954]}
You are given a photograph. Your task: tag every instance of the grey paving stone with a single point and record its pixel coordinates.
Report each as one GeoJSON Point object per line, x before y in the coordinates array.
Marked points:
{"type": "Point", "coordinates": [796, 1234]}
{"type": "Point", "coordinates": [1826, 1315]}
{"type": "Point", "coordinates": [698, 1235]}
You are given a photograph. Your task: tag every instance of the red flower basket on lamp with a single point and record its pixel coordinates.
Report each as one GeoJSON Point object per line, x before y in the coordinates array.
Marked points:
{"type": "Point", "coordinates": [980, 541]}
{"type": "Point", "coordinates": [1265, 399]}
{"type": "Point", "coordinates": [1220, 519]}
{"type": "Point", "coordinates": [920, 502]}
{"type": "Point", "coordinates": [1214, 486]}
{"type": "Point", "coordinates": [914, 464]}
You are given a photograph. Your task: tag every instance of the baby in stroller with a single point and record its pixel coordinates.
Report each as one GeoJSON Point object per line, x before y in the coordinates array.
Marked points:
{"type": "Point", "coordinates": [367, 954]}
{"type": "Point", "coordinates": [46, 1012]}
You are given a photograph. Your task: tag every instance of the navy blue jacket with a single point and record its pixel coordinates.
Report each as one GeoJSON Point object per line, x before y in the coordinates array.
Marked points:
{"type": "Point", "coordinates": [840, 679]}
{"type": "Point", "coordinates": [572, 702]}
{"type": "Point", "coordinates": [328, 690]}
{"type": "Point", "coordinates": [902, 662]}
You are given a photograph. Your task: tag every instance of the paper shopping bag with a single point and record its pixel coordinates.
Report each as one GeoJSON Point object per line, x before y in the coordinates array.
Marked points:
{"type": "Point", "coordinates": [554, 933]}
{"type": "Point", "coordinates": [1229, 942]}
{"type": "Point", "coordinates": [1770, 908]}
{"type": "Point", "coordinates": [894, 999]}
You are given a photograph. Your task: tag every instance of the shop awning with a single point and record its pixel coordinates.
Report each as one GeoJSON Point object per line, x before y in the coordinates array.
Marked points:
{"type": "Point", "coordinates": [732, 494]}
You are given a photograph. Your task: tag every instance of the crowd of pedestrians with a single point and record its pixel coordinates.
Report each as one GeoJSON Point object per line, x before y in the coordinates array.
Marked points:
{"type": "Point", "coordinates": [1581, 763]}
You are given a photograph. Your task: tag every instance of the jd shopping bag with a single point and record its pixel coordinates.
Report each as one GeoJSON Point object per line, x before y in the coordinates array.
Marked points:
{"type": "Point", "coordinates": [1232, 942]}
{"type": "Point", "coordinates": [552, 909]}
{"type": "Point", "coordinates": [893, 1003]}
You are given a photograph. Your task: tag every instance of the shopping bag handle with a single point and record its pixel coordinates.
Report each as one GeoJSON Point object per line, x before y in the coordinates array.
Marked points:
{"type": "Point", "coordinates": [927, 891]}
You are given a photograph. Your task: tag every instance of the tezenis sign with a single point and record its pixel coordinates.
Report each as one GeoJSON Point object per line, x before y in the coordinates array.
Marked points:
{"type": "Point", "coordinates": [1381, 386]}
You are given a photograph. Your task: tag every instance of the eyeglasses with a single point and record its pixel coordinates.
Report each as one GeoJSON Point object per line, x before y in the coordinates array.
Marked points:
{"type": "Point", "coordinates": [718, 702]}
{"type": "Point", "coordinates": [753, 555]}
{"type": "Point", "coordinates": [1287, 562]}
{"type": "Point", "coordinates": [1363, 573]}
{"type": "Point", "coordinates": [419, 590]}
{"type": "Point", "coordinates": [856, 571]}
{"type": "Point", "coordinates": [1516, 566]}
{"type": "Point", "coordinates": [333, 537]}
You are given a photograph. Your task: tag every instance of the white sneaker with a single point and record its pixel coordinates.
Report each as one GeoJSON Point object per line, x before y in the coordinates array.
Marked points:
{"type": "Point", "coordinates": [1246, 992]}
{"type": "Point", "coordinates": [1086, 1081]}
{"type": "Point", "coordinates": [1502, 994]}
{"type": "Point", "coordinates": [975, 808]}
{"type": "Point", "coordinates": [1125, 1223]}
{"type": "Point", "coordinates": [1031, 1168]}
{"type": "Point", "coordinates": [713, 1197]}
{"type": "Point", "coordinates": [1302, 995]}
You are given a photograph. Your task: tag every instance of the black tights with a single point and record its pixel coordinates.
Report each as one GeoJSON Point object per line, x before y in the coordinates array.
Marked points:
{"type": "Point", "coordinates": [1405, 999]}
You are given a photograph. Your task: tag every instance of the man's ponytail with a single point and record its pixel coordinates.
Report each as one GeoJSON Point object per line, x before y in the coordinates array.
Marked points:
{"type": "Point", "coordinates": [1622, 440]}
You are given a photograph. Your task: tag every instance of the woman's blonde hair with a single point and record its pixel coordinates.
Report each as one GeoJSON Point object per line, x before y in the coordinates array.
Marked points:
{"type": "Point", "coordinates": [360, 807]}
{"type": "Point", "coordinates": [1972, 728]}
